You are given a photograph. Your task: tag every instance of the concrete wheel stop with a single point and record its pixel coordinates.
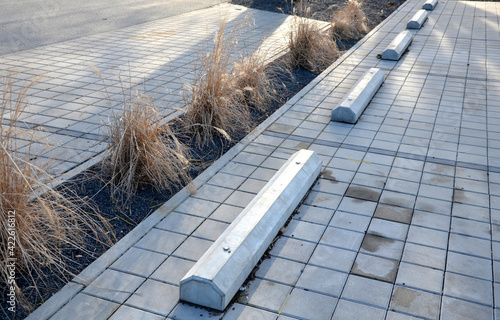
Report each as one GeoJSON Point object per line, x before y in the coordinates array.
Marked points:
{"type": "Point", "coordinates": [356, 100]}
{"type": "Point", "coordinates": [418, 20]}
{"type": "Point", "coordinates": [430, 4]}
{"type": "Point", "coordinates": [398, 46]}
{"type": "Point", "coordinates": [214, 280]}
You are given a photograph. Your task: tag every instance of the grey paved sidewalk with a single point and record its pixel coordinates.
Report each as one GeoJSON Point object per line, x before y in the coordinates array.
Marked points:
{"type": "Point", "coordinates": [403, 223]}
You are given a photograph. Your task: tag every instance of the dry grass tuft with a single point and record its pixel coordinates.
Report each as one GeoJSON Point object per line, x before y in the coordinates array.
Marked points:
{"type": "Point", "coordinates": [310, 46]}
{"type": "Point", "coordinates": [349, 22]}
{"type": "Point", "coordinates": [37, 221]}
{"type": "Point", "coordinates": [215, 106]}
{"type": "Point", "coordinates": [142, 150]}
{"type": "Point", "coordinates": [254, 80]}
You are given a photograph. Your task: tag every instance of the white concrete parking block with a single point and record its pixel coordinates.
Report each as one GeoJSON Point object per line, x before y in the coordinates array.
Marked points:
{"type": "Point", "coordinates": [418, 19]}
{"type": "Point", "coordinates": [398, 46]}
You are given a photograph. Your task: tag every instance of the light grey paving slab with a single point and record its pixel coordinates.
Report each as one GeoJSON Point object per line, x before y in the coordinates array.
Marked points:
{"type": "Point", "coordinates": [210, 229]}
{"type": "Point", "coordinates": [239, 311]}
{"type": "Point", "coordinates": [469, 265]}
{"type": "Point", "coordinates": [160, 241]}
{"type": "Point", "coordinates": [351, 310]}
{"type": "Point", "coordinates": [180, 222]}
{"type": "Point", "coordinates": [192, 248]}
{"type": "Point", "coordinates": [467, 288]}
{"type": "Point", "coordinates": [470, 245]}
{"type": "Point", "coordinates": [155, 297]}
{"type": "Point", "coordinates": [424, 255]}
{"type": "Point", "coordinates": [333, 258]}
{"type": "Point", "coordinates": [428, 237]}
{"type": "Point", "coordinates": [184, 311]}
{"type": "Point", "coordinates": [314, 214]}
{"type": "Point", "coordinates": [172, 270]}
{"type": "Point", "coordinates": [86, 307]}
{"type": "Point", "coordinates": [419, 277]}
{"type": "Point", "coordinates": [388, 229]}
{"type": "Point", "coordinates": [280, 270]}
{"type": "Point", "coordinates": [268, 295]}
{"type": "Point", "coordinates": [139, 262]}
{"type": "Point", "coordinates": [114, 286]}
{"type": "Point", "coordinates": [350, 221]}
{"type": "Point", "coordinates": [375, 267]}
{"type": "Point", "coordinates": [461, 310]}
{"type": "Point", "coordinates": [304, 230]}
{"type": "Point", "coordinates": [393, 213]}
{"type": "Point", "coordinates": [357, 206]}
{"type": "Point", "coordinates": [415, 302]}
{"type": "Point", "coordinates": [368, 291]}
{"type": "Point", "coordinates": [310, 305]}
{"type": "Point", "coordinates": [126, 312]}
{"type": "Point", "coordinates": [322, 280]}
{"type": "Point", "coordinates": [382, 247]}
{"type": "Point", "coordinates": [342, 238]}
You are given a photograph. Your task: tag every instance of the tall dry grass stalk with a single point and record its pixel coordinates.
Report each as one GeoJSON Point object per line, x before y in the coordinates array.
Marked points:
{"type": "Point", "coordinates": [37, 221]}
{"type": "Point", "coordinates": [254, 79]}
{"type": "Point", "coordinates": [349, 22]}
{"type": "Point", "coordinates": [142, 150]}
{"type": "Point", "coordinates": [311, 47]}
{"type": "Point", "coordinates": [215, 105]}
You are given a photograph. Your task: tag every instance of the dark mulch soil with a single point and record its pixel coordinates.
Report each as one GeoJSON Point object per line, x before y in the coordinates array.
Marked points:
{"type": "Point", "coordinates": [148, 199]}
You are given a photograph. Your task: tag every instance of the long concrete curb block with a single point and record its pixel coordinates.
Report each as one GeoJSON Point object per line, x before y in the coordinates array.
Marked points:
{"type": "Point", "coordinates": [398, 46]}
{"type": "Point", "coordinates": [418, 19]}
{"type": "Point", "coordinates": [356, 100]}
{"type": "Point", "coordinates": [217, 276]}
{"type": "Point", "coordinates": [430, 4]}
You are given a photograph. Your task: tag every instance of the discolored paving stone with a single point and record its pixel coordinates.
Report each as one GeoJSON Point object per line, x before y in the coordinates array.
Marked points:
{"type": "Point", "coordinates": [469, 265]}
{"type": "Point", "coordinates": [415, 302]}
{"type": "Point", "coordinates": [357, 206]}
{"type": "Point", "coordinates": [424, 255]}
{"type": "Point", "coordinates": [454, 309]}
{"type": "Point", "coordinates": [348, 310]}
{"type": "Point", "coordinates": [309, 305]}
{"type": "Point", "coordinates": [393, 213]}
{"type": "Point", "coordinates": [382, 247]}
{"type": "Point", "coordinates": [375, 267]}
{"type": "Point", "coordinates": [468, 288]}
{"type": "Point", "coordinates": [369, 291]}
{"type": "Point", "coordinates": [185, 311]}
{"type": "Point", "coordinates": [388, 229]}
{"type": "Point", "coordinates": [419, 277]}
{"type": "Point", "coordinates": [363, 193]}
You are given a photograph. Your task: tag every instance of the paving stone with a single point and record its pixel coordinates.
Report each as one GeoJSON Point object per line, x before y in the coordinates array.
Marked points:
{"type": "Point", "coordinates": [213, 193]}
{"type": "Point", "coordinates": [185, 311]}
{"type": "Point", "coordinates": [268, 295]}
{"type": "Point", "coordinates": [154, 296]}
{"type": "Point", "coordinates": [304, 230]}
{"type": "Point", "coordinates": [180, 222]}
{"type": "Point", "coordinates": [331, 186]}
{"type": "Point", "coordinates": [139, 262]}
{"type": "Point", "coordinates": [393, 213]}
{"type": "Point", "coordinates": [280, 270]}
{"type": "Point", "coordinates": [433, 205]}
{"type": "Point", "coordinates": [192, 248]}
{"type": "Point", "coordinates": [375, 267]}
{"type": "Point", "coordinates": [362, 193]}
{"type": "Point", "coordinates": [403, 186]}
{"type": "Point", "coordinates": [369, 181]}
{"type": "Point", "coordinates": [129, 313]}
{"type": "Point", "coordinates": [160, 241]}
{"type": "Point", "coordinates": [341, 238]}
{"type": "Point", "coordinates": [424, 255]}
{"type": "Point", "coordinates": [172, 270]}
{"type": "Point", "coordinates": [333, 258]}
{"type": "Point", "coordinates": [415, 302]}
{"type": "Point", "coordinates": [252, 185]}
{"type": "Point", "coordinates": [86, 307]}
{"type": "Point", "coordinates": [350, 221]}
{"type": "Point", "coordinates": [418, 277]}
{"type": "Point", "coordinates": [348, 310]}
{"type": "Point", "coordinates": [469, 265]}
{"type": "Point", "coordinates": [314, 214]}
{"type": "Point", "coordinates": [368, 291]}
{"type": "Point", "coordinates": [397, 199]}
{"type": "Point", "coordinates": [357, 206]}
{"type": "Point", "coordinates": [391, 315]}
{"type": "Point", "coordinates": [431, 220]}
{"type": "Point", "coordinates": [467, 288]}
{"type": "Point", "coordinates": [470, 245]}
{"type": "Point", "coordinates": [382, 247]}
{"type": "Point", "coordinates": [240, 198]}
{"type": "Point", "coordinates": [388, 229]}
{"type": "Point", "coordinates": [210, 229]}
{"type": "Point", "coordinates": [114, 286]}
{"type": "Point", "coordinates": [454, 309]}
{"type": "Point", "coordinates": [226, 180]}
{"type": "Point", "coordinates": [239, 311]}
{"type": "Point", "coordinates": [226, 213]}
{"type": "Point", "coordinates": [293, 249]}
{"type": "Point", "coordinates": [471, 228]}
{"type": "Point", "coordinates": [428, 237]}
{"type": "Point", "coordinates": [322, 280]}
{"type": "Point", "coordinates": [309, 305]}
{"type": "Point", "coordinates": [197, 207]}
{"type": "Point", "coordinates": [467, 197]}
{"type": "Point", "coordinates": [323, 200]}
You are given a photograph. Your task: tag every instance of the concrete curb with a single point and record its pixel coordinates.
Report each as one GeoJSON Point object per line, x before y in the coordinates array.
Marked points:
{"type": "Point", "coordinates": [430, 4]}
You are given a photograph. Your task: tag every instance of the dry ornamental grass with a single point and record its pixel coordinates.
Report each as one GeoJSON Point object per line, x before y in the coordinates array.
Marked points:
{"type": "Point", "coordinates": [349, 22]}
{"type": "Point", "coordinates": [311, 47]}
{"type": "Point", "coordinates": [38, 222]}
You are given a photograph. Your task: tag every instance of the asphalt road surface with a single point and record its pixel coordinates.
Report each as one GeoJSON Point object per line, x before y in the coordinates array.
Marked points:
{"type": "Point", "coordinates": [27, 24]}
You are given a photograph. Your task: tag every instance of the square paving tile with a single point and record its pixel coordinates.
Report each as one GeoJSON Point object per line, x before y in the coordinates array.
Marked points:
{"type": "Point", "coordinates": [314, 214]}
{"type": "Point", "coordinates": [226, 213]}
{"type": "Point", "coordinates": [388, 229]}
{"type": "Point", "coordinates": [197, 207]}
{"type": "Point", "coordinates": [280, 270]}
{"type": "Point", "coordinates": [309, 305]}
{"type": "Point", "coordinates": [393, 213]}
{"type": "Point", "coordinates": [192, 248]}
{"type": "Point", "coordinates": [467, 288]}
{"type": "Point", "coordinates": [323, 200]}
{"type": "Point", "coordinates": [471, 228]}
{"type": "Point", "coordinates": [397, 199]}
{"type": "Point", "coordinates": [154, 296]}
{"type": "Point", "coordinates": [469, 265]}
{"type": "Point", "coordinates": [375, 267]}
{"type": "Point", "coordinates": [363, 193]}
{"type": "Point", "coordinates": [342, 238]}
{"type": "Point", "coordinates": [86, 307]}
{"type": "Point", "coordinates": [369, 291]}
{"type": "Point", "coordinates": [172, 270]}
{"type": "Point", "coordinates": [348, 310]}
{"type": "Point", "coordinates": [415, 302]}
{"type": "Point", "coordinates": [304, 230]}
{"type": "Point", "coordinates": [382, 247]}
{"type": "Point", "coordinates": [470, 245]}
{"type": "Point", "coordinates": [357, 206]}
{"type": "Point", "coordinates": [454, 309]}
{"type": "Point", "coordinates": [185, 311]}
{"type": "Point", "coordinates": [139, 262]}
{"type": "Point", "coordinates": [129, 313]}
{"type": "Point", "coordinates": [431, 220]}
{"type": "Point", "coordinates": [428, 237]}
{"type": "Point", "coordinates": [424, 255]}
{"type": "Point", "coordinates": [333, 258]}
{"type": "Point", "coordinates": [419, 277]}
{"type": "Point", "coordinates": [350, 221]}
{"type": "Point", "coordinates": [114, 285]}
{"type": "Point", "coordinates": [239, 311]}
{"type": "Point", "coordinates": [268, 295]}
{"type": "Point", "coordinates": [293, 249]}
{"type": "Point", "coordinates": [160, 241]}
{"type": "Point", "coordinates": [321, 280]}
{"type": "Point", "coordinates": [210, 229]}
{"type": "Point", "coordinates": [180, 222]}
